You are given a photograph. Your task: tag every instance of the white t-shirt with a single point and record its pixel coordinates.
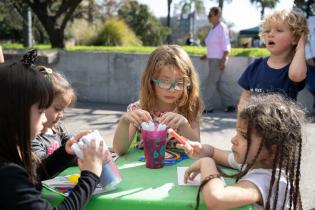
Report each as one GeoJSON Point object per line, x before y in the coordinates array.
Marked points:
{"type": "Point", "coordinates": [261, 178]}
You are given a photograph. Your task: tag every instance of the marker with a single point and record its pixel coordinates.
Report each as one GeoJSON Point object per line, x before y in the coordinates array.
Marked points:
{"type": "Point", "coordinates": [179, 138]}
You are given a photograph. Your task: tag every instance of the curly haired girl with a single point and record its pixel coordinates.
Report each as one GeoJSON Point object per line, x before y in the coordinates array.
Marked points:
{"type": "Point", "coordinates": [266, 149]}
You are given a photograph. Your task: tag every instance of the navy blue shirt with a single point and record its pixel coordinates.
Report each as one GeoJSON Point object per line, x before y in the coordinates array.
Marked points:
{"type": "Point", "coordinates": [260, 78]}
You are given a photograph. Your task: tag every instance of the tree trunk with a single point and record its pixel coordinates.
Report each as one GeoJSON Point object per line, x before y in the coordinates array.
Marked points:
{"type": "Point", "coordinates": [299, 3]}
{"type": "Point", "coordinates": [54, 20]}
{"type": "Point", "coordinates": [56, 38]}
{"type": "Point", "coordinates": [168, 21]}
{"type": "Point", "coordinates": [262, 12]}
{"type": "Point", "coordinates": [221, 5]}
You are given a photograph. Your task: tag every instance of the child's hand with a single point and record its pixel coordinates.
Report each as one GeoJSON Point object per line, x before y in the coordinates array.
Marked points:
{"type": "Point", "coordinates": [302, 42]}
{"type": "Point", "coordinates": [196, 153]}
{"type": "Point", "coordinates": [74, 139]}
{"type": "Point", "coordinates": [173, 120]}
{"type": "Point", "coordinates": [199, 150]}
{"type": "Point", "coordinates": [192, 171]}
{"type": "Point", "coordinates": [92, 159]}
{"type": "Point", "coordinates": [136, 117]}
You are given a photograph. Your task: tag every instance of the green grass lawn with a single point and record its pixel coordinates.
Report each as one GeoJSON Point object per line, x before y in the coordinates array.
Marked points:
{"type": "Point", "coordinates": [192, 50]}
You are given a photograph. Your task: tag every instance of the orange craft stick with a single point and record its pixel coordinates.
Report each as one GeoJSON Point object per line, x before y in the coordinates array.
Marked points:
{"type": "Point", "coordinates": [179, 138]}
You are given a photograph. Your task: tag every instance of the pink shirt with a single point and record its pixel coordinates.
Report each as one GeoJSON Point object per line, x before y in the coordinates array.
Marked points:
{"type": "Point", "coordinates": [218, 41]}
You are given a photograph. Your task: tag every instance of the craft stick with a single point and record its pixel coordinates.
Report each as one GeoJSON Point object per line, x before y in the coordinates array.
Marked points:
{"type": "Point", "coordinates": [179, 138]}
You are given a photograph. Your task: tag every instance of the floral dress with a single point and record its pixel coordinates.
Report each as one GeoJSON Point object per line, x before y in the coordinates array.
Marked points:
{"type": "Point", "coordinates": [137, 140]}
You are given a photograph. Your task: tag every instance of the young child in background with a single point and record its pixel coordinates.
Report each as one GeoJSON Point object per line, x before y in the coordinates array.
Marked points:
{"type": "Point", "coordinates": [54, 134]}
{"type": "Point", "coordinates": [267, 150]}
{"type": "Point", "coordinates": [284, 71]}
{"type": "Point", "coordinates": [169, 94]}
{"type": "Point", "coordinates": [22, 114]}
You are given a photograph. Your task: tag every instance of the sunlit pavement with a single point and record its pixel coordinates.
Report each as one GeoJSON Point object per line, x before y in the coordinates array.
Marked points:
{"type": "Point", "coordinates": [217, 129]}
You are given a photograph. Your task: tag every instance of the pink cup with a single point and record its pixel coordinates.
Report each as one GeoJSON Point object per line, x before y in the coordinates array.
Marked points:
{"type": "Point", "coordinates": [154, 143]}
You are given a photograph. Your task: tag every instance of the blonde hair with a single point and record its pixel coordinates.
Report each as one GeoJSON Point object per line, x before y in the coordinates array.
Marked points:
{"type": "Point", "coordinates": [190, 104]}
{"type": "Point", "coordinates": [294, 18]}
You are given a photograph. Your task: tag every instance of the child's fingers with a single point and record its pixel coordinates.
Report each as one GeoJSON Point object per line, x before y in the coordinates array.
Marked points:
{"type": "Point", "coordinates": [85, 151]}
{"type": "Point", "coordinates": [92, 145]}
{"type": "Point", "coordinates": [192, 176]}
{"type": "Point", "coordinates": [186, 176]}
{"type": "Point", "coordinates": [101, 148]}
{"type": "Point", "coordinates": [180, 146]}
{"type": "Point", "coordinates": [81, 134]}
{"type": "Point", "coordinates": [146, 116]}
{"type": "Point", "coordinates": [80, 162]}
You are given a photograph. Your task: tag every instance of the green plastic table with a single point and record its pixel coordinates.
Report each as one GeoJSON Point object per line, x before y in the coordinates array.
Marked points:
{"type": "Point", "coordinates": [143, 188]}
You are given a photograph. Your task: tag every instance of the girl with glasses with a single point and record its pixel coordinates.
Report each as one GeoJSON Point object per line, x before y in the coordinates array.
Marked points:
{"type": "Point", "coordinates": [169, 94]}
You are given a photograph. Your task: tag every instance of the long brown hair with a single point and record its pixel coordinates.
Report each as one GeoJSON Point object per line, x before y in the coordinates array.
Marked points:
{"type": "Point", "coordinates": [190, 104]}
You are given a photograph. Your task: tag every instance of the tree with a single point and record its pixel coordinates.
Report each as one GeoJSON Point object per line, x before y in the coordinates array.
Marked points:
{"type": "Point", "coordinates": [147, 27]}
{"type": "Point", "coordinates": [264, 4]}
{"type": "Point", "coordinates": [299, 3]}
{"type": "Point", "coordinates": [54, 16]}
{"type": "Point", "coordinates": [168, 20]}
{"type": "Point", "coordinates": [191, 8]}
{"type": "Point", "coordinates": [221, 3]}
{"type": "Point", "coordinates": [11, 22]}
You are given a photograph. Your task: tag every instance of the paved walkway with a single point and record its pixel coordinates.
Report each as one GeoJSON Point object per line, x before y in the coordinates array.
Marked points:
{"type": "Point", "coordinates": [216, 129]}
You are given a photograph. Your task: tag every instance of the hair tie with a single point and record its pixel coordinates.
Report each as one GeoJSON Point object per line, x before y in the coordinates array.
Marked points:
{"type": "Point", "coordinates": [44, 70]}
{"type": "Point", "coordinates": [29, 58]}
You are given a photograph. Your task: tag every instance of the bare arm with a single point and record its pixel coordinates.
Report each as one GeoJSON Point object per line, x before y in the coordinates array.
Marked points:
{"type": "Point", "coordinates": [298, 69]}
{"type": "Point", "coordinates": [243, 99]}
{"type": "Point", "coordinates": [126, 129]}
{"type": "Point", "coordinates": [218, 196]}
{"type": "Point", "coordinates": [122, 137]}
{"type": "Point", "coordinates": [190, 130]}
{"type": "Point", "coordinates": [224, 60]}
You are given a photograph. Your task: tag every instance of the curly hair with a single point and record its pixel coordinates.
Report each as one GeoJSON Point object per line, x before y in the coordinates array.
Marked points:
{"type": "Point", "coordinates": [294, 18]}
{"type": "Point", "coordinates": [278, 121]}
{"type": "Point", "coordinates": [190, 104]}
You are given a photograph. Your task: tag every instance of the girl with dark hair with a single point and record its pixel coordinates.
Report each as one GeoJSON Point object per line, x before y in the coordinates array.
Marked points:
{"type": "Point", "coordinates": [26, 94]}
{"type": "Point", "coordinates": [266, 149]}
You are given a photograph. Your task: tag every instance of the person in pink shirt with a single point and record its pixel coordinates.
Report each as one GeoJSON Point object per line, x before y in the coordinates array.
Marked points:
{"type": "Point", "coordinates": [218, 48]}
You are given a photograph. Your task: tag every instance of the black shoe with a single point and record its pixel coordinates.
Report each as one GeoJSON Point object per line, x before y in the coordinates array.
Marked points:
{"type": "Point", "coordinates": [229, 109]}
{"type": "Point", "coordinates": [207, 111]}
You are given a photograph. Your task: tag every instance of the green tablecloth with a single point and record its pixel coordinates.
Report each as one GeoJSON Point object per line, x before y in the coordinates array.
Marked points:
{"type": "Point", "coordinates": [143, 188]}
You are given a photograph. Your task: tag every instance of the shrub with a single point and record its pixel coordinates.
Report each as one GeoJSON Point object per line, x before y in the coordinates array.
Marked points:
{"type": "Point", "coordinates": [115, 32]}
{"type": "Point", "coordinates": [76, 32]}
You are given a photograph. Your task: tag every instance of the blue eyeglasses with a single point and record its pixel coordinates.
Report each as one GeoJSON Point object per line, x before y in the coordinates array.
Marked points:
{"type": "Point", "coordinates": [167, 84]}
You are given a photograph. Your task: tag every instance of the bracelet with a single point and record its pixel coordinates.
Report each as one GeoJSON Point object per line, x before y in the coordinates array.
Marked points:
{"type": "Point", "coordinates": [208, 178]}
{"type": "Point", "coordinates": [203, 183]}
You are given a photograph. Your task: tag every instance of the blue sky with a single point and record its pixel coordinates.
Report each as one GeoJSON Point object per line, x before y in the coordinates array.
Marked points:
{"type": "Point", "coordinates": [240, 12]}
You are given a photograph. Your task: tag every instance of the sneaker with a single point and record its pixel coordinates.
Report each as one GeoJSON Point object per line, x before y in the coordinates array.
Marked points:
{"type": "Point", "coordinates": [229, 109]}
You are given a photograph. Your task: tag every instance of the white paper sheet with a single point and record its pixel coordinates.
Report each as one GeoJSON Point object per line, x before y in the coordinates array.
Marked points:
{"type": "Point", "coordinates": [180, 177]}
